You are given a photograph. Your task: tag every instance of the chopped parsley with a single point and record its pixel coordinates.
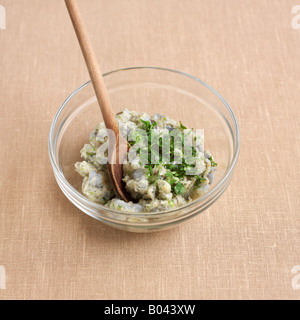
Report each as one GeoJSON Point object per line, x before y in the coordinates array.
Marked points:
{"type": "Point", "coordinates": [179, 188]}
{"type": "Point", "coordinates": [169, 174]}
{"type": "Point", "coordinates": [105, 200]}
{"type": "Point", "coordinates": [213, 163]}
{"type": "Point", "coordinates": [175, 171]}
{"type": "Point", "coordinates": [182, 126]}
{"type": "Point", "coordinates": [148, 125]}
{"type": "Point", "coordinates": [172, 204]}
{"type": "Point", "coordinates": [199, 181]}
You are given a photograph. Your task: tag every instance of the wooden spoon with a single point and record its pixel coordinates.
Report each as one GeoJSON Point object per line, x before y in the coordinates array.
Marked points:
{"type": "Point", "coordinates": [117, 143]}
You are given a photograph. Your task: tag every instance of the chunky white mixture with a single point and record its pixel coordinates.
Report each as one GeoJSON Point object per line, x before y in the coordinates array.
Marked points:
{"type": "Point", "coordinates": [153, 188]}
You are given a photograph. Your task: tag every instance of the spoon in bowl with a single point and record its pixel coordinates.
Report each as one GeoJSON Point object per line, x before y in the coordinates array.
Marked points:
{"type": "Point", "coordinates": [118, 146]}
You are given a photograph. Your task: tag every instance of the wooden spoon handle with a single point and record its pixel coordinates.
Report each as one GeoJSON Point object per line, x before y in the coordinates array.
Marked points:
{"type": "Point", "coordinates": [114, 169]}
{"type": "Point", "coordinates": [93, 66]}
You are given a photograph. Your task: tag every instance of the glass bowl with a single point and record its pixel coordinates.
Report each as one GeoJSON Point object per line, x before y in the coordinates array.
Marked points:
{"type": "Point", "coordinates": [152, 90]}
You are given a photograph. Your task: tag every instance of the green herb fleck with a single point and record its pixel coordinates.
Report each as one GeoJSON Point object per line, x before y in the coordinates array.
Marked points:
{"type": "Point", "coordinates": [179, 188]}
{"type": "Point", "coordinates": [172, 204]}
{"type": "Point", "coordinates": [199, 181]}
{"type": "Point", "coordinates": [182, 126]}
{"type": "Point", "coordinates": [172, 181]}
{"type": "Point", "coordinates": [147, 124]}
{"type": "Point", "coordinates": [213, 163]}
{"type": "Point", "coordinates": [169, 174]}
{"type": "Point", "coordinates": [104, 200]}
{"type": "Point", "coordinates": [90, 154]}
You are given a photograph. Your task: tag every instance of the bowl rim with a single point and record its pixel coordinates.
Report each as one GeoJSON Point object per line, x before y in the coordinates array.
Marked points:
{"type": "Point", "coordinates": [53, 140]}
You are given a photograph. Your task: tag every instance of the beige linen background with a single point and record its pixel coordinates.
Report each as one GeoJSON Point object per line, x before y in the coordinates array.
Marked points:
{"type": "Point", "coordinates": [245, 245]}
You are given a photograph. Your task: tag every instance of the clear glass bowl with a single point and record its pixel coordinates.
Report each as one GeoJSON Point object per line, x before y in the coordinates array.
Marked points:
{"type": "Point", "coordinates": [152, 90]}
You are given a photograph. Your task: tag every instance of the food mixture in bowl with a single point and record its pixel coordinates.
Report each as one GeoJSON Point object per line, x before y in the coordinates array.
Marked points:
{"type": "Point", "coordinates": [155, 179]}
